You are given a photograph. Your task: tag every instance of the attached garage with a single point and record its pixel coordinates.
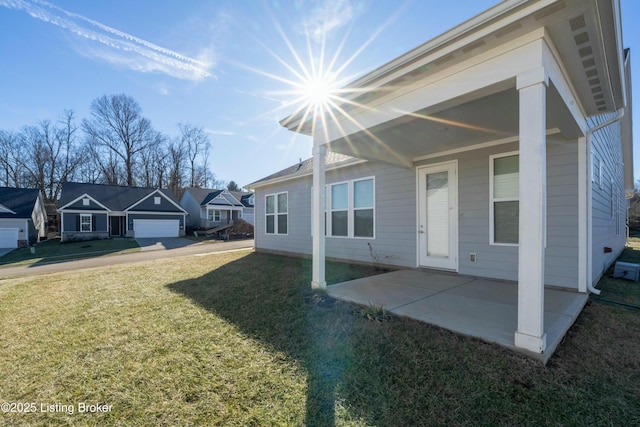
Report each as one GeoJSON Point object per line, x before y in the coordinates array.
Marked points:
{"type": "Point", "coordinates": [8, 237]}
{"type": "Point", "coordinates": [156, 228]}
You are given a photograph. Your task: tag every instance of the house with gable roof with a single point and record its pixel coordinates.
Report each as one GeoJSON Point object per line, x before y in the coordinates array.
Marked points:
{"type": "Point", "coordinates": [98, 211]}
{"type": "Point", "coordinates": [23, 218]}
{"type": "Point", "coordinates": [500, 149]}
{"type": "Point", "coordinates": [209, 208]}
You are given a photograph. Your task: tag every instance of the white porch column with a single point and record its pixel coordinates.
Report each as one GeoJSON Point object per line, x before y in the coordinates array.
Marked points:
{"type": "Point", "coordinates": [532, 87]}
{"type": "Point", "coordinates": [318, 278]}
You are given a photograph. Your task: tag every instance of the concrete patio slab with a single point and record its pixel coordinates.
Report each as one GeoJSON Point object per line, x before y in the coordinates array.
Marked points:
{"type": "Point", "coordinates": [481, 308]}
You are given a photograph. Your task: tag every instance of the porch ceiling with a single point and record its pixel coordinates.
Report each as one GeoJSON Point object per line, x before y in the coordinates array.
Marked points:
{"type": "Point", "coordinates": [584, 37]}
{"type": "Point", "coordinates": [459, 124]}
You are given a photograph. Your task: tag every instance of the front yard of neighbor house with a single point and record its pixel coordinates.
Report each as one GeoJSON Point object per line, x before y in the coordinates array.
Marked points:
{"type": "Point", "coordinates": [240, 339]}
{"type": "Point", "coordinates": [54, 251]}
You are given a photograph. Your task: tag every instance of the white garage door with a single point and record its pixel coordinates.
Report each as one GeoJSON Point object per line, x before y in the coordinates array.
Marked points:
{"type": "Point", "coordinates": [8, 237]}
{"type": "Point", "coordinates": [156, 228]}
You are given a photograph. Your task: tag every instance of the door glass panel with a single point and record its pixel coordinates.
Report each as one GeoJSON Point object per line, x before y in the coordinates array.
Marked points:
{"type": "Point", "coordinates": [438, 214]}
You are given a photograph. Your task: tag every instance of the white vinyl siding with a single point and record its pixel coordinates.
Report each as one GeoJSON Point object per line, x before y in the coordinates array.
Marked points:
{"type": "Point", "coordinates": [504, 194]}
{"type": "Point", "coordinates": [608, 204]}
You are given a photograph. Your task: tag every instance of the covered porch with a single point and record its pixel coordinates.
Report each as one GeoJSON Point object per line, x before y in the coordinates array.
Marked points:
{"type": "Point", "coordinates": [508, 86]}
{"type": "Point", "coordinates": [481, 308]}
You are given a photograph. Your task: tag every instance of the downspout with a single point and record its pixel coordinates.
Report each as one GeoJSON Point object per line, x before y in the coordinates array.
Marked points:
{"type": "Point", "coordinates": [619, 115]}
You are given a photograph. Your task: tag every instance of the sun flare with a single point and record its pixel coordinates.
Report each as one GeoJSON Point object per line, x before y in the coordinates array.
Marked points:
{"type": "Point", "coordinates": [318, 92]}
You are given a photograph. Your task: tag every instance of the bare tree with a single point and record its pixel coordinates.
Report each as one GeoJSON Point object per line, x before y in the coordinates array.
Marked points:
{"type": "Point", "coordinates": [33, 156]}
{"type": "Point", "coordinates": [154, 162]}
{"type": "Point", "coordinates": [177, 158]}
{"type": "Point", "coordinates": [65, 155]}
{"type": "Point", "coordinates": [9, 159]}
{"type": "Point", "coordinates": [195, 141]}
{"type": "Point", "coordinates": [118, 127]}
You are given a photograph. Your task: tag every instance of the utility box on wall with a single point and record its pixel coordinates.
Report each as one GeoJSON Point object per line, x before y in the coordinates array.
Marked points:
{"type": "Point", "coordinates": [626, 270]}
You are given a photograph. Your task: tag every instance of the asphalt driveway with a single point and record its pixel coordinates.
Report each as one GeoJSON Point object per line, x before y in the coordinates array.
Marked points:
{"type": "Point", "coordinates": [163, 243]}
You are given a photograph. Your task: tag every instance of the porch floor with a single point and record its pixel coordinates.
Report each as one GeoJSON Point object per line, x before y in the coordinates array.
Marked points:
{"type": "Point", "coordinates": [481, 308]}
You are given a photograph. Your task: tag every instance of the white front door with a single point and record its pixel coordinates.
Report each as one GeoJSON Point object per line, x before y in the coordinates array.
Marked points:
{"type": "Point", "coordinates": [438, 216]}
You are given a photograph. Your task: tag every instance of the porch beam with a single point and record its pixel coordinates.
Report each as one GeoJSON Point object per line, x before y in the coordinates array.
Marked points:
{"type": "Point", "coordinates": [532, 87]}
{"type": "Point", "coordinates": [318, 280]}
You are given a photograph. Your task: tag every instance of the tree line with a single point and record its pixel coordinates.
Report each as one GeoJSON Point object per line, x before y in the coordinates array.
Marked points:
{"type": "Point", "coordinates": [116, 144]}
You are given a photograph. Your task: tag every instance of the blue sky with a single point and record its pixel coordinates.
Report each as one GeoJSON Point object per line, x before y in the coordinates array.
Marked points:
{"type": "Point", "coordinates": [217, 64]}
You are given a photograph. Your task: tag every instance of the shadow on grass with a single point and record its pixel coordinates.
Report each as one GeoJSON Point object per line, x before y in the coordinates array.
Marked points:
{"type": "Point", "coordinates": [404, 372]}
{"type": "Point", "coordinates": [54, 252]}
{"type": "Point", "coordinates": [396, 372]}
{"type": "Point", "coordinates": [269, 298]}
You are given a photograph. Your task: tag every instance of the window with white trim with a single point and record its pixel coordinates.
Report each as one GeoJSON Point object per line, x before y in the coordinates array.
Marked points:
{"type": "Point", "coordinates": [351, 209]}
{"type": "Point", "coordinates": [277, 213]}
{"type": "Point", "coordinates": [85, 202]}
{"type": "Point", "coordinates": [339, 209]}
{"type": "Point", "coordinates": [85, 223]}
{"type": "Point", "coordinates": [156, 200]}
{"type": "Point", "coordinates": [505, 202]}
{"type": "Point", "coordinates": [214, 215]}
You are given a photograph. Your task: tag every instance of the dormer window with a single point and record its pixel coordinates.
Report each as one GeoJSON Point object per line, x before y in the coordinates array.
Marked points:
{"type": "Point", "coordinates": [156, 200]}
{"type": "Point", "coordinates": [85, 201]}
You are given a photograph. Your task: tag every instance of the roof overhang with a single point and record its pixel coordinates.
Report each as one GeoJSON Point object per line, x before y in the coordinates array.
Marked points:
{"type": "Point", "coordinates": [584, 36]}
{"type": "Point", "coordinates": [83, 196]}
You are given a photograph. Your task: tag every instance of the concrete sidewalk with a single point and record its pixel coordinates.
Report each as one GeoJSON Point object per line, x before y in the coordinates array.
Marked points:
{"type": "Point", "coordinates": [99, 261]}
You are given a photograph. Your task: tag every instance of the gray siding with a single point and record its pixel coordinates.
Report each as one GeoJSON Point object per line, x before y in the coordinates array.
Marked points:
{"type": "Point", "coordinates": [80, 206]}
{"type": "Point", "coordinates": [70, 221]}
{"type": "Point", "coordinates": [395, 239]}
{"type": "Point", "coordinates": [609, 206]}
{"type": "Point", "coordinates": [189, 204]}
{"type": "Point", "coordinates": [70, 227]}
{"type": "Point", "coordinates": [148, 205]}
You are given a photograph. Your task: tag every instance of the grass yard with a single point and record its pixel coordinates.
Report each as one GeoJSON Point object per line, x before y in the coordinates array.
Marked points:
{"type": "Point", "coordinates": [53, 251]}
{"type": "Point", "coordinates": [239, 339]}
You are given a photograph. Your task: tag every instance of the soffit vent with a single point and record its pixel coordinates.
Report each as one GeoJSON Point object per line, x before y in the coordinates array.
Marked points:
{"type": "Point", "coordinates": [585, 50]}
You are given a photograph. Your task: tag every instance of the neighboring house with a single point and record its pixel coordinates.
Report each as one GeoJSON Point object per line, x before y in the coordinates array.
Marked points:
{"type": "Point", "coordinates": [248, 200]}
{"type": "Point", "coordinates": [90, 211]}
{"type": "Point", "coordinates": [210, 208]}
{"type": "Point", "coordinates": [500, 149]}
{"type": "Point", "coordinates": [23, 219]}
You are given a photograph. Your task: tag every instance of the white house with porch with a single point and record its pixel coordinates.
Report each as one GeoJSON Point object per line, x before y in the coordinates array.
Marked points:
{"type": "Point", "coordinates": [500, 149]}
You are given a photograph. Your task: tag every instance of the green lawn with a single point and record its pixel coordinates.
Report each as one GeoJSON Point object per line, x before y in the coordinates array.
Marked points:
{"type": "Point", "coordinates": [52, 251]}
{"type": "Point", "coordinates": [239, 339]}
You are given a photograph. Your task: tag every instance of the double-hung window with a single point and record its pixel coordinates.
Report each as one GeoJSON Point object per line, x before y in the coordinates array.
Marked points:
{"type": "Point", "coordinates": [340, 210]}
{"type": "Point", "coordinates": [363, 208]}
{"type": "Point", "coordinates": [277, 213]}
{"type": "Point", "coordinates": [351, 208]}
{"type": "Point", "coordinates": [85, 223]}
{"type": "Point", "coordinates": [505, 202]}
{"type": "Point", "coordinates": [214, 215]}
